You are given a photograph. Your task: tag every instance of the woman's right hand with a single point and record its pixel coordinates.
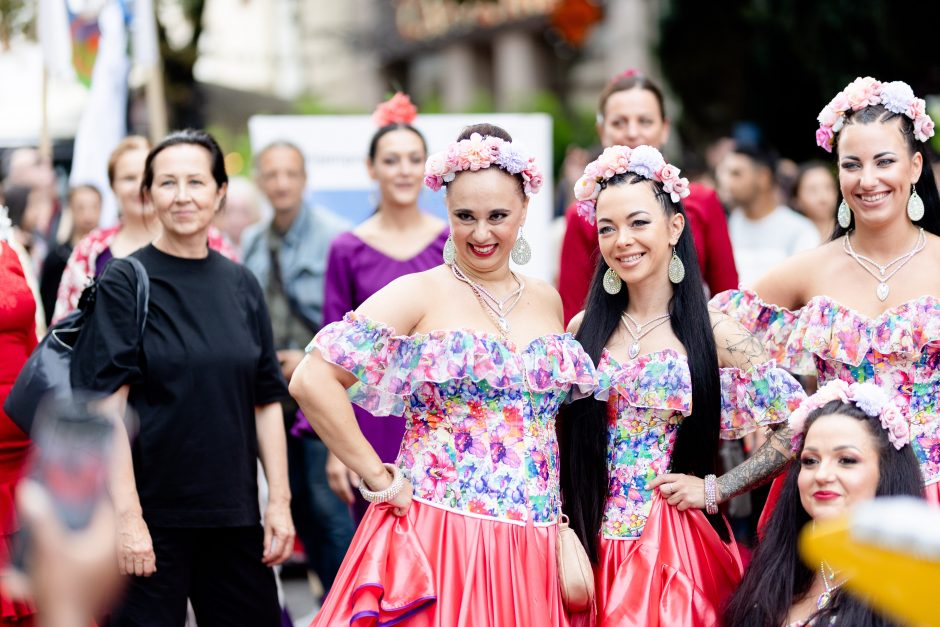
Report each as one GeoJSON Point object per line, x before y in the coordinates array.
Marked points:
{"type": "Point", "coordinates": [135, 546]}
{"type": "Point", "coordinates": [341, 479]}
{"type": "Point", "coordinates": [402, 501]}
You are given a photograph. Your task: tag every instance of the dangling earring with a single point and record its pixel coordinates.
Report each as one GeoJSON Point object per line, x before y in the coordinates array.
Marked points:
{"type": "Point", "coordinates": [450, 251]}
{"type": "Point", "coordinates": [915, 206]}
{"type": "Point", "coordinates": [612, 282]}
{"type": "Point", "coordinates": [521, 253]}
{"type": "Point", "coordinates": [844, 215]}
{"type": "Point", "coordinates": [676, 268]}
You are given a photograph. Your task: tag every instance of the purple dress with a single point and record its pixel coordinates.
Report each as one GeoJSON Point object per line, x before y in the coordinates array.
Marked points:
{"type": "Point", "coordinates": [354, 272]}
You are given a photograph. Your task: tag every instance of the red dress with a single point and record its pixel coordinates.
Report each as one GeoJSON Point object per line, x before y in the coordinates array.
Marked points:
{"type": "Point", "coordinates": [709, 230]}
{"type": "Point", "coordinates": [17, 340]}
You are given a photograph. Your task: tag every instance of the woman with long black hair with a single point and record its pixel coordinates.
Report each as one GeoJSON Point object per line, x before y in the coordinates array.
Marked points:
{"type": "Point", "coordinates": [866, 305]}
{"type": "Point", "coordinates": [673, 378]}
{"type": "Point", "coordinates": [855, 448]}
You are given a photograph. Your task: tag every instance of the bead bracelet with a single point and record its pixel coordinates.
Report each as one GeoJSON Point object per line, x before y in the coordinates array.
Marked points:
{"type": "Point", "coordinates": [711, 494]}
{"type": "Point", "coordinates": [386, 495]}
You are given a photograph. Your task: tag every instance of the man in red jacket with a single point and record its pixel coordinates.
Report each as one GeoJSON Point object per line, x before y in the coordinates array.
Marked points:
{"type": "Point", "coordinates": [631, 113]}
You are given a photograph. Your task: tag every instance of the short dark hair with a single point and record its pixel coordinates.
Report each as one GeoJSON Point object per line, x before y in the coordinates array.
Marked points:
{"type": "Point", "coordinates": [388, 128]}
{"type": "Point", "coordinates": [191, 137]}
{"type": "Point", "coordinates": [761, 156]}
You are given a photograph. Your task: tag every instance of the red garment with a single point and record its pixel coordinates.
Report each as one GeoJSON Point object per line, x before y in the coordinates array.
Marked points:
{"type": "Point", "coordinates": [679, 572]}
{"type": "Point", "coordinates": [706, 217]}
{"type": "Point", "coordinates": [436, 567]}
{"type": "Point", "coordinates": [17, 341]}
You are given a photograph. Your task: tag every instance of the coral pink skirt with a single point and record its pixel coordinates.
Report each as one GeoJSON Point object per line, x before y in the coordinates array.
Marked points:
{"type": "Point", "coordinates": [443, 568]}
{"type": "Point", "coordinates": [678, 572]}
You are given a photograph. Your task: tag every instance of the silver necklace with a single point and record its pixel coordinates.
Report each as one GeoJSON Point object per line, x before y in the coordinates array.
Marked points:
{"type": "Point", "coordinates": [883, 276]}
{"type": "Point", "coordinates": [498, 309]}
{"type": "Point", "coordinates": [823, 599]}
{"type": "Point", "coordinates": [641, 330]}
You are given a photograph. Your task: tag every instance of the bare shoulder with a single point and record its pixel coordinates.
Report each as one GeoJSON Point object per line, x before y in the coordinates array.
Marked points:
{"type": "Point", "coordinates": [574, 325]}
{"type": "Point", "coordinates": [737, 347]}
{"type": "Point", "coordinates": [786, 284]}
{"type": "Point", "coordinates": [402, 303]}
{"type": "Point", "coordinates": [543, 293]}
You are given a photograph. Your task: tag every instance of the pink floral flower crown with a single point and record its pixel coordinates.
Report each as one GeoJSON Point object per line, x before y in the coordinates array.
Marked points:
{"type": "Point", "coordinates": [896, 97]}
{"type": "Point", "coordinates": [644, 161]}
{"type": "Point", "coordinates": [396, 110]}
{"type": "Point", "coordinates": [868, 397]}
{"type": "Point", "coordinates": [478, 153]}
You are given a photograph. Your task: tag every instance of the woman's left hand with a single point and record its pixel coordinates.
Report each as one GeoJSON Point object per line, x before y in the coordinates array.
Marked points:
{"type": "Point", "coordinates": [278, 533]}
{"type": "Point", "coordinates": [681, 491]}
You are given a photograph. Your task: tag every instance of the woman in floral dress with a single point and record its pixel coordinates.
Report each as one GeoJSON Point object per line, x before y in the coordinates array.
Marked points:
{"type": "Point", "coordinates": [673, 379]}
{"type": "Point", "coordinates": [866, 305]}
{"type": "Point", "coordinates": [474, 356]}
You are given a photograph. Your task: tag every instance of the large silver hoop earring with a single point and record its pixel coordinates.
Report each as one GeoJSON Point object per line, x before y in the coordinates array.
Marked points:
{"type": "Point", "coordinates": [450, 251]}
{"type": "Point", "coordinates": [915, 206]}
{"type": "Point", "coordinates": [676, 268]}
{"type": "Point", "coordinates": [521, 253]}
{"type": "Point", "coordinates": [612, 282]}
{"type": "Point", "coordinates": [844, 215]}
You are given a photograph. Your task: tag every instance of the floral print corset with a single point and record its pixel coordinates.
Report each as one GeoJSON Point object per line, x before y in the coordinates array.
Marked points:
{"type": "Point", "coordinates": [899, 350]}
{"type": "Point", "coordinates": [647, 399]}
{"type": "Point", "coordinates": [480, 435]}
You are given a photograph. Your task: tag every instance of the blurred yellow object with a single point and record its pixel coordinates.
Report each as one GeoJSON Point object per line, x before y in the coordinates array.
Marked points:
{"type": "Point", "coordinates": [894, 582]}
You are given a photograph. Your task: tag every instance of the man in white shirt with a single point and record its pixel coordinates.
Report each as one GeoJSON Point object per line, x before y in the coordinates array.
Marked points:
{"type": "Point", "coordinates": [763, 233]}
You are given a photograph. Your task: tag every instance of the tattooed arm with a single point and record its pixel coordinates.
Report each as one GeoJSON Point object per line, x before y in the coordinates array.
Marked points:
{"type": "Point", "coordinates": [737, 348]}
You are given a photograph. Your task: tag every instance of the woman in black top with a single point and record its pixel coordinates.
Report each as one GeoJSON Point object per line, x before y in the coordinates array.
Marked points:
{"type": "Point", "coordinates": [204, 381]}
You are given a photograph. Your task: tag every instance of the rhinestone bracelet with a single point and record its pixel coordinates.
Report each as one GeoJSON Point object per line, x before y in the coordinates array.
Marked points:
{"type": "Point", "coordinates": [711, 494]}
{"type": "Point", "coordinates": [386, 495]}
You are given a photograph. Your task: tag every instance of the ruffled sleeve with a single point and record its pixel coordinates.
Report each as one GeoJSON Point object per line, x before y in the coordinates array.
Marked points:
{"type": "Point", "coordinates": [653, 381]}
{"type": "Point", "coordinates": [389, 368]}
{"type": "Point", "coordinates": [774, 326]}
{"type": "Point", "coordinates": [761, 396]}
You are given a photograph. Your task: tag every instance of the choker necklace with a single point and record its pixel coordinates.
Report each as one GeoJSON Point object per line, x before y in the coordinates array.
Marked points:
{"type": "Point", "coordinates": [883, 276]}
{"type": "Point", "coordinates": [824, 598]}
{"type": "Point", "coordinates": [497, 309]}
{"type": "Point", "coordinates": [641, 330]}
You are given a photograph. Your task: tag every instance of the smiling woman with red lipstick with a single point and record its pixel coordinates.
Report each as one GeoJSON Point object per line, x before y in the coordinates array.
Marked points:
{"type": "Point", "coordinates": [865, 306]}
{"type": "Point", "coordinates": [462, 527]}
{"type": "Point", "coordinates": [855, 447]}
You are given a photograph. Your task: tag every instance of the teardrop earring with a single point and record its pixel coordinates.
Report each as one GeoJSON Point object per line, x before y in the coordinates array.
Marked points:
{"type": "Point", "coordinates": [915, 206]}
{"type": "Point", "coordinates": [612, 282]}
{"type": "Point", "coordinates": [676, 268]}
{"type": "Point", "coordinates": [450, 251]}
{"type": "Point", "coordinates": [844, 215]}
{"type": "Point", "coordinates": [521, 253]}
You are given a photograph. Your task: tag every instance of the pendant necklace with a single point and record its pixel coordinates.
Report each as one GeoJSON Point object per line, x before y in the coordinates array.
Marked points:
{"type": "Point", "coordinates": [883, 276]}
{"type": "Point", "coordinates": [824, 598]}
{"type": "Point", "coordinates": [497, 309]}
{"type": "Point", "coordinates": [641, 330]}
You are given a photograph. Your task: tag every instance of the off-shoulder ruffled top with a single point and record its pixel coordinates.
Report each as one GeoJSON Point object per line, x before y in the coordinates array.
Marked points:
{"type": "Point", "coordinates": [647, 399]}
{"type": "Point", "coordinates": [480, 411]}
{"type": "Point", "coordinates": [899, 350]}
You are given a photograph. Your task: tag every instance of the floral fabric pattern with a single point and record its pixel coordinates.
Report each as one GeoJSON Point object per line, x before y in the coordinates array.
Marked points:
{"type": "Point", "coordinates": [652, 395]}
{"type": "Point", "coordinates": [899, 350]}
{"type": "Point", "coordinates": [480, 413]}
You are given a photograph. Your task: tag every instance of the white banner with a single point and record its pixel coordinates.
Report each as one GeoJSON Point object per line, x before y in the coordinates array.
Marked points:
{"type": "Point", "coordinates": [336, 147]}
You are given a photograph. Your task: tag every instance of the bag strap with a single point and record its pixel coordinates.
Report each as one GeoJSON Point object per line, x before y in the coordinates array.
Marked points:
{"type": "Point", "coordinates": [143, 291]}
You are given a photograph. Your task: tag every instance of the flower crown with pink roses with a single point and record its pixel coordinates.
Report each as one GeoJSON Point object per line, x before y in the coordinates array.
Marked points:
{"type": "Point", "coordinates": [478, 153]}
{"type": "Point", "coordinates": [396, 110]}
{"type": "Point", "coordinates": [896, 97]}
{"type": "Point", "coordinates": [643, 161]}
{"type": "Point", "coordinates": [868, 397]}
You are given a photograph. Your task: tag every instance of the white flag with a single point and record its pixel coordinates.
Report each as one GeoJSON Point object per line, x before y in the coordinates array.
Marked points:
{"type": "Point", "coordinates": [55, 38]}
{"type": "Point", "coordinates": [144, 34]}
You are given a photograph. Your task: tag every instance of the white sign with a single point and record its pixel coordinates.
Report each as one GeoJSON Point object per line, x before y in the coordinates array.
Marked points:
{"type": "Point", "coordinates": [336, 148]}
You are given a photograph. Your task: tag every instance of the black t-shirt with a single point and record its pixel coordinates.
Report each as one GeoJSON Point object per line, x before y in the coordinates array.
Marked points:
{"type": "Point", "coordinates": [206, 360]}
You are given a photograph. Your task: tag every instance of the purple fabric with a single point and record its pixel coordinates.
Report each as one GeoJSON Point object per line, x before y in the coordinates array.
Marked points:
{"type": "Point", "coordinates": [354, 272]}
{"type": "Point", "coordinates": [102, 260]}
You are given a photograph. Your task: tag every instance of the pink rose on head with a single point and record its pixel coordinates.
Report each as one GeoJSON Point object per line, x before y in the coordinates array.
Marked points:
{"type": "Point", "coordinates": [432, 182]}
{"type": "Point", "coordinates": [586, 188]}
{"type": "Point", "coordinates": [535, 181]}
{"type": "Point", "coordinates": [839, 104]}
{"type": "Point", "coordinates": [668, 172]}
{"type": "Point", "coordinates": [828, 116]}
{"type": "Point", "coordinates": [436, 165]}
{"type": "Point", "coordinates": [680, 188]}
{"type": "Point", "coordinates": [396, 110]}
{"type": "Point", "coordinates": [923, 128]}
{"type": "Point", "coordinates": [825, 138]}
{"type": "Point", "coordinates": [917, 108]}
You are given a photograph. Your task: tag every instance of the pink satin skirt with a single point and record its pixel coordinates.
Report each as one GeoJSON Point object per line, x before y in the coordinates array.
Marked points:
{"type": "Point", "coordinates": [442, 568]}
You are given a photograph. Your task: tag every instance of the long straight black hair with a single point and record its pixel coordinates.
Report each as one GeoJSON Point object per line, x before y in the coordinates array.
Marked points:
{"type": "Point", "coordinates": [582, 427]}
{"type": "Point", "coordinates": [926, 185]}
{"type": "Point", "coordinates": [776, 577]}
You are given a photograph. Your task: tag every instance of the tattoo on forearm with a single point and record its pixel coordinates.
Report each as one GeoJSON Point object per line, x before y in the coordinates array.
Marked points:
{"type": "Point", "coordinates": [744, 350]}
{"type": "Point", "coordinates": [766, 462]}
